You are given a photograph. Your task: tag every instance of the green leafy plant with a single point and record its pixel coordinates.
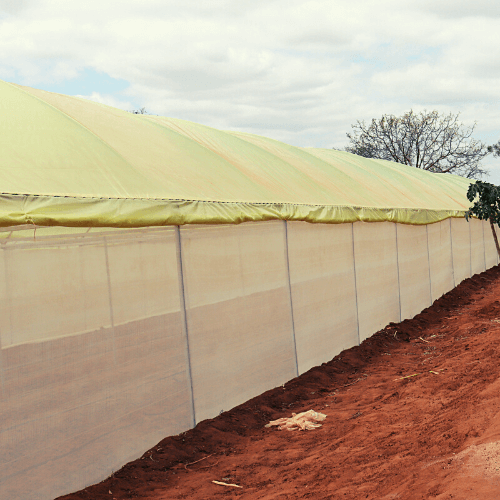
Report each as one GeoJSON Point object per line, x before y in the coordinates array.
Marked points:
{"type": "Point", "coordinates": [486, 198]}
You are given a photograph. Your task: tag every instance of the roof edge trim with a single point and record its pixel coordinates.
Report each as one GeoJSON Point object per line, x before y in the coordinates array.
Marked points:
{"type": "Point", "coordinates": [129, 213]}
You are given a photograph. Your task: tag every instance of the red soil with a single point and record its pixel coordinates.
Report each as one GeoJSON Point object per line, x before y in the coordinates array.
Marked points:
{"type": "Point", "coordinates": [433, 435]}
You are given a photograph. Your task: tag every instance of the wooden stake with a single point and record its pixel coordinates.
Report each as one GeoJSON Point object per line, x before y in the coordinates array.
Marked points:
{"type": "Point", "coordinates": [227, 484]}
{"type": "Point", "coordinates": [407, 376]}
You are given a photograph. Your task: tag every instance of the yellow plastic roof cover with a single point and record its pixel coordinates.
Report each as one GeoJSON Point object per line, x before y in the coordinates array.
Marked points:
{"type": "Point", "coordinates": [67, 161]}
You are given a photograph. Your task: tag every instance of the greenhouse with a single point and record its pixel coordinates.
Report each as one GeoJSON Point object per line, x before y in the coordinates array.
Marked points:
{"type": "Point", "coordinates": [155, 272]}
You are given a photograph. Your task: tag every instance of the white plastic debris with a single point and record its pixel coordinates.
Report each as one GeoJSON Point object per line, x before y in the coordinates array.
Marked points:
{"type": "Point", "coordinates": [305, 421]}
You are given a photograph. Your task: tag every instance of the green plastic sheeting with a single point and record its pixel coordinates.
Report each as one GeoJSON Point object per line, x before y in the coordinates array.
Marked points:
{"type": "Point", "coordinates": [67, 161]}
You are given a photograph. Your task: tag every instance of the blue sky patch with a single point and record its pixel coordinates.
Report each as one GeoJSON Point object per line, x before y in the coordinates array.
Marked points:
{"type": "Point", "coordinates": [88, 81]}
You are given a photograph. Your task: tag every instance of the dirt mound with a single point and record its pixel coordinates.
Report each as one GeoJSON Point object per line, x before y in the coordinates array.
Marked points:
{"type": "Point", "coordinates": [412, 413]}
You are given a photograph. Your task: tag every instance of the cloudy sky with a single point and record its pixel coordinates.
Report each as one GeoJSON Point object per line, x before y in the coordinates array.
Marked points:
{"type": "Point", "coordinates": [294, 70]}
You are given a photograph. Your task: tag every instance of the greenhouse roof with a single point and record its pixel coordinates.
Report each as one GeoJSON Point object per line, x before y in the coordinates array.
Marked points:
{"type": "Point", "coordinates": [67, 161]}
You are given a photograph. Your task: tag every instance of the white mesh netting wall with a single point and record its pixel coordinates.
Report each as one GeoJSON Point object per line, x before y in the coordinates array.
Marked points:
{"type": "Point", "coordinates": [93, 358]}
{"type": "Point", "coordinates": [376, 262]}
{"type": "Point", "coordinates": [323, 290]}
{"type": "Point", "coordinates": [238, 313]}
{"type": "Point", "coordinates": [413, 270]}
{"type": "Point", "coordinates": [440, 258]}
{"type": "Point", "coordinates": [112, 341]}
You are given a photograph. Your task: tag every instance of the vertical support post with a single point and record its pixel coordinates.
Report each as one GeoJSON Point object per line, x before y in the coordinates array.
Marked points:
{"type": "Point", "coordinates": [451, 250]}
{"type": "Point", "coordinates": [7, 303]}
{"type": "Point", "coordinates": [1, 369]}
{"type": "Point", "coordinates": [429, 262]}
{"type": "Point", "coordinates": [355, 282]}
{"type": "Point", "coordinates": [484, 246]}
{"type": "Point", "coordinates": [287, 262]}
{"type": "Point", "coordinates": [470, 250]}
{"type": "Point", "coordinates": [498, 256]}
{"type": "Point", "coordinates": [8, 295]}
{"type": "Point", "coordinates": [495, 239]}
{"type": "Point", "coordinates": [397, 266]}
{"type": "Point", "coordinates": [110, 298]}
{"type": "Point", "coordinates": [184, 325]}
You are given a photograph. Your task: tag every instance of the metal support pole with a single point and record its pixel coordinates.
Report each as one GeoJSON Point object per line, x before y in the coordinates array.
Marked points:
{"type": "Point", "coordinates": [8, 303]}
{"type": "Point", "coordinates": [451, 250]}
{"type": "Point", "coordinates": [287, 262]}
{"type": "Point", "coordinates": [180, 274]}
{"type": "Point", "coordinates": [484, 245]}
{"type": "Point", "coordinates": [470, 251]}
{"type": "Point", "coordinates": [355, 282]}
{"type": "Point", "coordinates": [110, 298]}
{"type": "Point", "coordinates": [397, 266]}
{"type": "Point", "coordinates": [429, 262]}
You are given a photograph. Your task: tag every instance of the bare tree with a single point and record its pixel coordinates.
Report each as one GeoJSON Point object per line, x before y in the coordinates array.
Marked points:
{"type": "Point", "coordinates": [495, 149]}
{"type": "Point", "coordinates": [422, 140]}
{"type": "Point", "coordinates": [141, 111]}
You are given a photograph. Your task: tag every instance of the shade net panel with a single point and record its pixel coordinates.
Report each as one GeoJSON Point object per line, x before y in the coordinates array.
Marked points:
{"type": "Point", "coordinates": [323, 290]}
{"type": "Point", "coordinates": [238, 312]}
{"type": "Point", "coordinates": [376, 276]}
{"type": "Point", "coordinates": [461, 245]}
{"type": "Point", "coordinates": [490, 249]}
{"type": "Point", "coordinates": [440, 258]}
{"type": "Point", "coordinates": [413, 269]}
{"type": "Point", "coordinates": [477, 247]}
{"type": "Point", "coordinates": [53, 291]}
{"type": "Point", "coordinates": [94, 365]}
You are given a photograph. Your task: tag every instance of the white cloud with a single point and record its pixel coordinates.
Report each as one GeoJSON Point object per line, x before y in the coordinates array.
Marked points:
{"type": "Point", "coordinates": [109, 100]}
{"type": "Point", "coordinates": [457, 9]}
{"type": "Point", "coordinates": [301, 71]}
